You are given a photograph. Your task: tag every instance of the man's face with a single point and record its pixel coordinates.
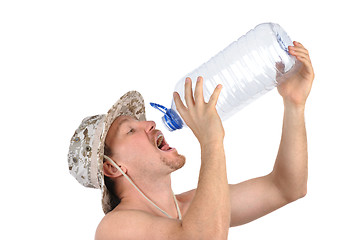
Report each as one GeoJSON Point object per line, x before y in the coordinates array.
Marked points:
{"type": "Point", "coordinates": [134, 144]}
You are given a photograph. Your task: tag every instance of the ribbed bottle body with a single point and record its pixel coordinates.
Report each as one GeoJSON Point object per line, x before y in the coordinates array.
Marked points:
{"type": "Point", "coordinates": [247, 69]}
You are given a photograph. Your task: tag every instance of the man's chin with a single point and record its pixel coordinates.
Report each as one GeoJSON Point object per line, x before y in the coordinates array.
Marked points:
{"type": "Point", "coordinates": [182, 161]}
{"type": "Point", "coordinates": [175, 163]}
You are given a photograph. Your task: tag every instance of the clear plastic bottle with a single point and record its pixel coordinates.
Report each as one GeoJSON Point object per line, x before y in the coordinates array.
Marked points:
{"type": "Point", "coordinates": [247, 69]}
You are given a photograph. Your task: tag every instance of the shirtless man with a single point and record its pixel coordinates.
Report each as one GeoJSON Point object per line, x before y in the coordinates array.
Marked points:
{"type": "Point", "coordinates": [137, 196]}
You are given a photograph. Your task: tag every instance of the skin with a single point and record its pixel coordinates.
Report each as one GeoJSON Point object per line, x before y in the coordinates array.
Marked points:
{"type": "Point", "coordinates": [209, 210]}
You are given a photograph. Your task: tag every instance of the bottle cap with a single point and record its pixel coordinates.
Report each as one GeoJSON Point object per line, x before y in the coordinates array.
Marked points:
{"type": "Point", "coordinates": [171, 119]}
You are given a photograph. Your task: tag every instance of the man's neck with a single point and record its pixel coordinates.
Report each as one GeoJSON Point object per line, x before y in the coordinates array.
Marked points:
{"type": "Point", "coordinates": [159, 191]}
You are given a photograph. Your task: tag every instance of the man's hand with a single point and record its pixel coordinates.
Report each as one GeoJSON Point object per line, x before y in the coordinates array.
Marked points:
{"type": "Point", "coordinates": [201, 117]}
{"type": "Point", "coordinates": [297, 86]}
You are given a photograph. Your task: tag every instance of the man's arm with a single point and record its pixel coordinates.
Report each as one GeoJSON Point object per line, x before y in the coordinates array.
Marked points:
{"type": "Point", "coordinates": [209, 212]}
{"type": "Point", "coordinates": [288, 180]}
{"type": "Point", "coordinates": [291, 166]}
{"type": "Point", "coordinates": [286, 183]}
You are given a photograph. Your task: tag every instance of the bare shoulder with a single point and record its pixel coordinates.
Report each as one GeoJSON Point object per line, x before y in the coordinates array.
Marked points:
{"type": "Point", "coordinates": [119, 223]}
{"type": "Point", "coordinates": [136, 224]}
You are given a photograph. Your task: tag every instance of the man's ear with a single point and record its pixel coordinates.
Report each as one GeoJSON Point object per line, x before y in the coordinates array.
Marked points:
{"type": "Point", "coordinates": [111, 171]}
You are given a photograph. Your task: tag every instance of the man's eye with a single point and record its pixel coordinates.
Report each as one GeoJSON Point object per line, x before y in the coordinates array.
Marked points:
{"type": "Point", "coordinates": [131, 130]}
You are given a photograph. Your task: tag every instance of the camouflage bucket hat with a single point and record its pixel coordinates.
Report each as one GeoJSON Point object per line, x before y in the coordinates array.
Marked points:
{"type": "Point", "coordinates": [86, 151]}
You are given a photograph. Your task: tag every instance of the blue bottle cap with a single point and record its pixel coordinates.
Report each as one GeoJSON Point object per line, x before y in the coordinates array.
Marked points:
{"type": "Point", "coordinates": [171, 119]}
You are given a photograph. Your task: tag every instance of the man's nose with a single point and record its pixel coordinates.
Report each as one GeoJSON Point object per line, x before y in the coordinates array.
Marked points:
{"type": "Point", "coordinates": [150, 125]}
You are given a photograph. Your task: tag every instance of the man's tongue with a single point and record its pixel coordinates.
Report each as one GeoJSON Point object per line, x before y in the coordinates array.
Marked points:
{"type": "Point", "coordinates": [165, 147]}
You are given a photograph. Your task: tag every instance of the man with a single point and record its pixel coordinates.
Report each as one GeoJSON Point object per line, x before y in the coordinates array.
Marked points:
{"type": "Point", "coordinates": [129, 159]}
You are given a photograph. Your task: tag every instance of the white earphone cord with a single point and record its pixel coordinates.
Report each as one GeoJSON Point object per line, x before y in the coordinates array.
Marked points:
{"type": "Point", "coordinates": [126, 176]}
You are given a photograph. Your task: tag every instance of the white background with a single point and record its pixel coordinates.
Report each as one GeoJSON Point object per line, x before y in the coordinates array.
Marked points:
{"type": "Point", "coordinates": [61, 61]}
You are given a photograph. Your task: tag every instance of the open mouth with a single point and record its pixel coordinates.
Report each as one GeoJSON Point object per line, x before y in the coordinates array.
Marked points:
{"type": "Point", "coordinates": [161, 143]}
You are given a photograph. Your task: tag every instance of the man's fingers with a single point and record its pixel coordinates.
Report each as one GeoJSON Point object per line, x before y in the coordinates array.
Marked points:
{"type": "Point", "coordinates": [198, 92]}
{"type": "Point", "coordinates": [300, 53]}
{"type": "Point", "coordinates": [178, 103]}
{"type": "Point", "coordinates": [307, 63]}
{"type": "Point", "coordinates": [299, 49]}
{"type": "Point", "coordinates": [303, 59]}
{"type": "Point", "coordinates": [214, 98]}
{"type": "Point", "coordinates": [297, 43]}
{"type": "Point", "coordinates": [188, 93]}
{"type": "Point", "coordinates": [303, 56]}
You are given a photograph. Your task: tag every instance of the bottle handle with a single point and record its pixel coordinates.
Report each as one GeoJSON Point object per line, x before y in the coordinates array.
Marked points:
{"type": "Point", "coordinates": [159, 107]}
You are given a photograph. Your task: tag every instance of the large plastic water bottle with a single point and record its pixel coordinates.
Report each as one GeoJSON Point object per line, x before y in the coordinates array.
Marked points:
{"type": "Point", "coordinates": [247, 69]}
